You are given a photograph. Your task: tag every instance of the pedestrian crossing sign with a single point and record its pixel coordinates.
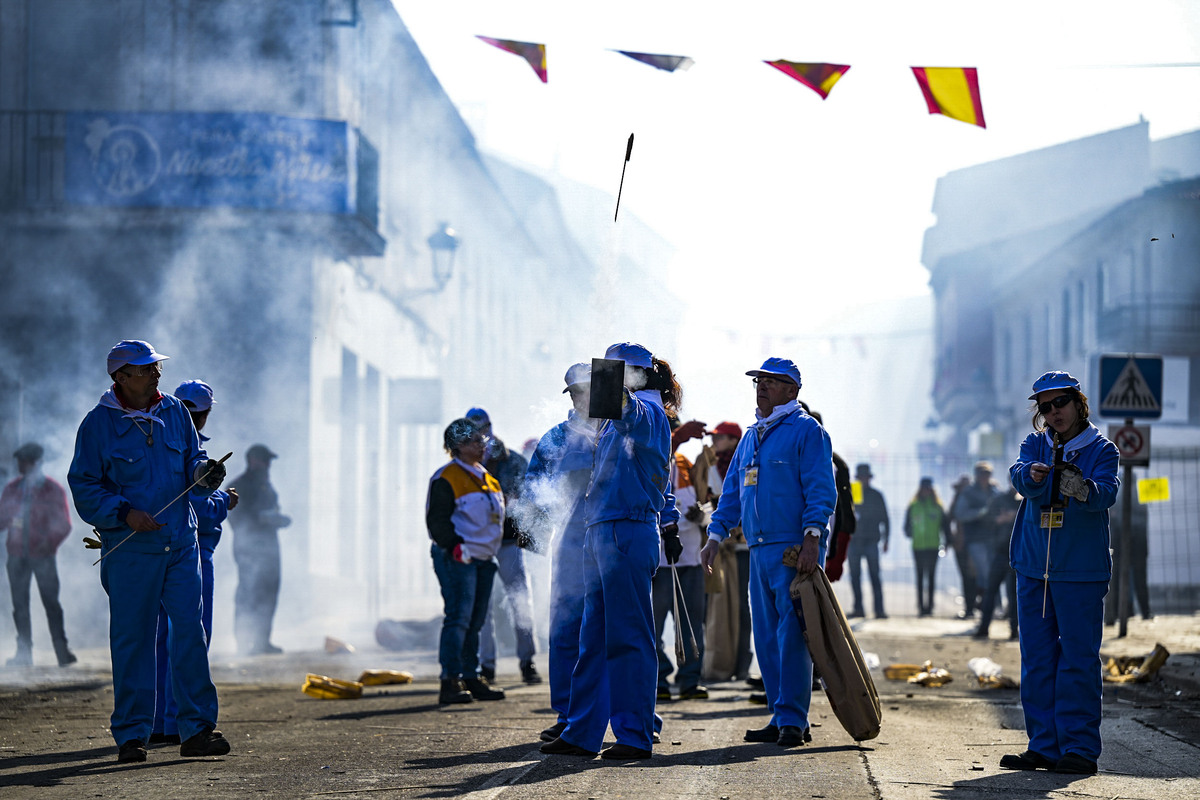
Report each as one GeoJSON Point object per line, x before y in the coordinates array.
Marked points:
{"type": "Point", "coordinates": [1131, 386]}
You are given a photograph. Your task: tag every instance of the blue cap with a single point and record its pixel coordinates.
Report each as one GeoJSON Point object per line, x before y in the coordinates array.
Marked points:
{"type": "Point", "coordinates": [132, 352]}
{"type": "Point", "coordinates": [779, 367]}
{"type": "Point", "coordinates": [478, 416]}
{"type": "Point", "coordinates": [577, 374]}
{"type": "Point", "coordinates": [196, 395]}
{"type": "Point", "coordinates": [634, 355]}
{"type": "Point", "coordinates": [1053, 380]}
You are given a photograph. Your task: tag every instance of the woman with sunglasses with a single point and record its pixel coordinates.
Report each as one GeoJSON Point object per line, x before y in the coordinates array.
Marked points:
{"type": "Point", "coordinates": [1059, 550]}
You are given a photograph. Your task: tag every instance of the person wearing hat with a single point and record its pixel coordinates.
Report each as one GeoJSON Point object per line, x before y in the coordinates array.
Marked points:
{"type": "Point", "coordinates": [780, 489]}
{"type": "Point", "coordinates": [870, 534]}
{"type": "Point", "coordinates": [1060, 552]}
{"type": "Point", "coordinates": [975, 523]}
{"type": "Point", "coordinates": [509, 468]}
{"type": "Point", "coordinates": [211, 510]}
{"type": "Point", "coordinates": [33, 508]}
{"type": "Point", "coordinates": [555, 485]}
{"type": "Point", "coordinates": [925, 522]}
{"type": "Point", "coordinates": [256, 523]}
{"type": "Point", "coordinates": [136, 453]}
{"type": "Point", "coordinates": [464, 513]}
{"type": "Point", "coordinates": [629, 509]}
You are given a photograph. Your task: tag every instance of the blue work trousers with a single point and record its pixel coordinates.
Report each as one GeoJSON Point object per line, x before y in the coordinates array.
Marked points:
{"type": "Point", "coordinates": [510, 562]}
{"type": "Point", "coordinates": [165, 707]}
{"type": "Point", "coordinates": [1061, 678]}
{"type": "Point", "coordinates": [138, 586]}
{"type": "Point", "coordinates": [783, 657]}
{"type": "Point", "coordinates": [566, 615]}
{"type": "Point", "coordinates": [615, 677]}
{"type": "Point", "coordinates": [691, 608]}
{"type": "Point", "coordinates": [466, 592]}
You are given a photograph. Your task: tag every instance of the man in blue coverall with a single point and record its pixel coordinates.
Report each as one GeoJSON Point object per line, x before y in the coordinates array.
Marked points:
{"type": "Point", "coordinates": [136, 455]}
{"type": "Point", "coordinates": [780, 489]}
{"type": "Point", "coordinates": [211, 510]}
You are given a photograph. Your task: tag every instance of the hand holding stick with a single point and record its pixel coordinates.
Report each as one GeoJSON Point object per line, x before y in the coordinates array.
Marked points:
{"type": "Point", "coordinates": [142, 523]}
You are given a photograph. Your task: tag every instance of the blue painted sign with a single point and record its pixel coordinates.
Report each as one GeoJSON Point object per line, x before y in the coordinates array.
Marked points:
{"type": "Point", "coordinates": [192, 160]}
{"type": "Point", "coordinates": [1131, 386]}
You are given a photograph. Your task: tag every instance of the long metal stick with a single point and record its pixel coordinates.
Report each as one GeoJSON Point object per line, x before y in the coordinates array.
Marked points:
{"type": "Point", "coordinates": [628, 153]}
{"type": "Point", "coordinates": [687, 618]}
{"type": "Point", "coordinates": [164, 508]}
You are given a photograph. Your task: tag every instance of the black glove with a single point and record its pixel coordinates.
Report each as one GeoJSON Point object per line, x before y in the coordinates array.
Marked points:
{"type": "Point", "coordinates": [672, 546]}
{"type": "Point", "coordinates": [694, 513]}
{"type": "Point", "coordinates": [211, 474]}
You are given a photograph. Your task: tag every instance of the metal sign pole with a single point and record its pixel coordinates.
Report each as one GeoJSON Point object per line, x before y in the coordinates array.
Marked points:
{"type": "Point", "coordinates": [1126, 539]}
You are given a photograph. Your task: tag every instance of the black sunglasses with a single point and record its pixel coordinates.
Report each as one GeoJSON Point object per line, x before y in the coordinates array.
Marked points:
{"type": "Point", "coordinates": [1057, 402]}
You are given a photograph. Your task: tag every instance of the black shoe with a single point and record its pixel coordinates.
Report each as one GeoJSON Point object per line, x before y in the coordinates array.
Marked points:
{"type": "Point", "coordinates": [453, 692]}
{"type": "Point", "coordinates": [694, 693]}
{"type": "Point", "coordinates": [560, 748]}
{"type": "Point", "coordinates": [529, 673]}
{"type": "Point", "coordinates": [767, 734]}
{"type": "Point", "coordinates": [654, 737]}
{"type": "Point", "coordinates": [131, 752]}
{"type": "Point", "coordinates": [1073, 764]}
{"type": "Point", "coordinates": [488, 673]}
{"type": "Point", "coordinates": [980, 634]}
{"type": "Point", "coordinates": [858, 612]}
{"type": "Point", "coordinates": [553, 732]}
{"type": "Point", "coordinates": [664, 694]}
{"type": "Point", "coordinates": [165, 738]}
{"type": "Point", "coordinates": [480, 689]}
{"type": "Point", "coordinates": [625, 752]}
{"type": "Point", "coordinates": [1027, 761]}
{"type": "Point", "coordinates": [793, 736]}
{"type": "Point", "coordinates": [759, 698]}
{"type": "Point", "coordinates": [881, 615]}
{"type": "Point", "coordinates": [66, 658]}
{"type": "Point", "coordinates": [22, 658]}
{"type": "Point", "coordinates": [205, 743]}
{"type": "Point", "coordinates": [755, 683]}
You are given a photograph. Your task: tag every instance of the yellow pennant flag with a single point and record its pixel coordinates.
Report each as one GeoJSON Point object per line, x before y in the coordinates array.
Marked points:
{"type": "Point", "coordinates": [1154, 490]}
{"type": "Point", "coordinates": [952, 91]}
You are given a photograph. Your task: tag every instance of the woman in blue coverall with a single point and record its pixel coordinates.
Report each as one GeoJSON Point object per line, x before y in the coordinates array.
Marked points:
{"type": "Point", "coordinates": [1059, 551]}
{"type": "Point", "coordinates": [628, 502]}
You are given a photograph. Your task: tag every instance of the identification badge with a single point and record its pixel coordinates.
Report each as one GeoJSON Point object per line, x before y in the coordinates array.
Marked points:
{"type": "Point", "coordinates": [1052, 519]}
{"type": "Point", "coordinates": [494, 518]}
{"type": "Point", "coordinates": [751, 477]}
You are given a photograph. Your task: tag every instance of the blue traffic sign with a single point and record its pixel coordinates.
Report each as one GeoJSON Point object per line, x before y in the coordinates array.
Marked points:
{"type": "Point", "coordinates": [1131, 386]}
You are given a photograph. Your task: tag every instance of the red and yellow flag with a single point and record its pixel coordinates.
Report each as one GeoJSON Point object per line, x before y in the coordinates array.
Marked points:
{"type": "Point", "coordinates": [666, 63]}
{"type": "Point", "coordinates": [953, 91]}
{"type": "Point", "coordinates": [818, 77]}
{"type": "Point", "coordinates": [534, 53]}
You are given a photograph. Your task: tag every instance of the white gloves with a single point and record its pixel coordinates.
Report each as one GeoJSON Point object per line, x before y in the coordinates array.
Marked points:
{"type": "Point", "coordinates": [1073, 484]}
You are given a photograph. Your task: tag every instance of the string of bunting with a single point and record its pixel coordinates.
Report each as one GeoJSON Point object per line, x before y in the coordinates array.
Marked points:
{"type": "Point", "coordinates": [950, 91]}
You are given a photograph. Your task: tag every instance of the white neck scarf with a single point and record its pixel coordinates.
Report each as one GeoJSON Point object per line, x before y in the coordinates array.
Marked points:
{"type": "Point", "coordinates": [109, 400]}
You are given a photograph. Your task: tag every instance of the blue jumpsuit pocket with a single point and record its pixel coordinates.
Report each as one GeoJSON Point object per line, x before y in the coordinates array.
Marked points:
{"type": "Point", "coordinates": [130, 468]}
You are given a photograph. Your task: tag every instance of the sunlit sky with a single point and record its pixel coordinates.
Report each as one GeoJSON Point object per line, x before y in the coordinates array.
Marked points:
{"type": "Point", "coordinates": [786, 210]}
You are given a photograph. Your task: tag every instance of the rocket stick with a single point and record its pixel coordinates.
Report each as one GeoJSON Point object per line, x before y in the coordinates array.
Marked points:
{"type": "Point", "coordinates": [628, 152]}
{"type": "Point", "coordinates": [164, 508]}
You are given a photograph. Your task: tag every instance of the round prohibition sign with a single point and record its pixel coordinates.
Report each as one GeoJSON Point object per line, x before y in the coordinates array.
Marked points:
{"type": "Point", "coordinates": [1129, 442]}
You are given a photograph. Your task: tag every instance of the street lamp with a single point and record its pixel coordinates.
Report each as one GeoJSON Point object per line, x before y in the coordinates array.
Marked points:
{"type": "Point", "coordinates": [443, 244]}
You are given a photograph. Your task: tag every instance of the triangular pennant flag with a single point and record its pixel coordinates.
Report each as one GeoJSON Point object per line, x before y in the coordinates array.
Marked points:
{"type": "Point", "coordinates": [667, 63]}
{"type": "Point", "coordinates": [953, 91]}
{"type": "Point", "coordinates": [818, 77]}
{"type": "Point", "coordinates": [534, 53]}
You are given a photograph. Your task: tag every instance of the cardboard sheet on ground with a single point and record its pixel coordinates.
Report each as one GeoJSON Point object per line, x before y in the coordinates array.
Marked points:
{"type": "Point", "coordinates": [835, 653]}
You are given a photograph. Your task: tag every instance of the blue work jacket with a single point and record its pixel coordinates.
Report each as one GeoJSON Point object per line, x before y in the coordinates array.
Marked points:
{"type": "Point", "coordinates": [1079, 549]}
{"type": "Point", "coordinates": [779, 483]}
{"type": "Point", "coordinates": [114, 468]}
{"type": "Point", "coordinates": [631, 465]}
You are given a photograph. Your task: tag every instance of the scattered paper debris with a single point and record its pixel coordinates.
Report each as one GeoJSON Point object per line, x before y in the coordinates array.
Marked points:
{"type": "Point", "coordinates": [1135, 669]}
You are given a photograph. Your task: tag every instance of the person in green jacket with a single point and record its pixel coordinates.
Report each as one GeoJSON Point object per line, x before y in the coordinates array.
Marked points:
{"type": "Point", "coordinates": [926, 523]}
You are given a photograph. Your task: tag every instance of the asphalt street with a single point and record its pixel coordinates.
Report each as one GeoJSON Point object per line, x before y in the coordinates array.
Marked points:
{"type": "Point", "coordinates": [398, 742]}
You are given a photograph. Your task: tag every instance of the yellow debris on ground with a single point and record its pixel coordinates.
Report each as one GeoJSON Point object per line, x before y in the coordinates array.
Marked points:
{"type": "Point", "coordinates": [931, 676]}
{"type": "Point", "coordinates": [900, 672]}
{"type": "Point", "coordinates": [384, 677]}
{"type": "Point", "coordinates": [323, 687]}
{"type": "Point", "coordinates": [1135, 669]}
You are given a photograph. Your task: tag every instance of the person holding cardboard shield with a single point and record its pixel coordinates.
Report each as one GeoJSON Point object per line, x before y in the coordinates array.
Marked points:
{"type": "Point", "coordinates": [1067, 475]}
{"type": "Point", "coordinates": [134, 453]}
{"type": "Point", "coordinates": [780, 489]}
{"type": "Point", "coordinates": [628, 502]}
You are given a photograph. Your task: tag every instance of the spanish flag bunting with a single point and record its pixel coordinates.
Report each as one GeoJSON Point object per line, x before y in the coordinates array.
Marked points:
{"type": "Point", "coordinates": [953, 91]}
{"type": "Point", "coordinates": [666, 63]}
{"type": "Point", "coordinates": [535, 54]}
{"type": "Point", "coordinates": [818, 77]}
